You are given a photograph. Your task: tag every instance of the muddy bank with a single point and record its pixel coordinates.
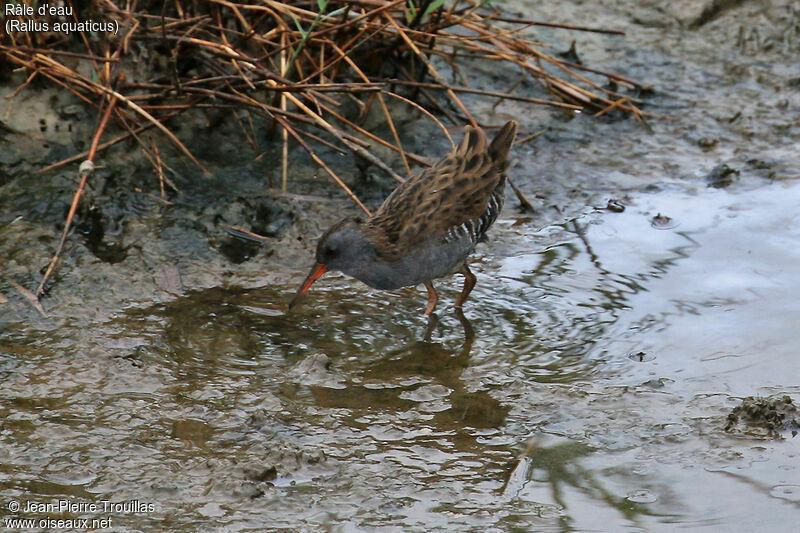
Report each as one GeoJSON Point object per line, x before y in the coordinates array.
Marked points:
{"type": "Point", "coordinates": [728, 92]}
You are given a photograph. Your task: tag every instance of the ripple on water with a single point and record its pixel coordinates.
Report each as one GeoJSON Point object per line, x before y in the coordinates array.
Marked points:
{"type": "Point", "coordinates": [617, 346]}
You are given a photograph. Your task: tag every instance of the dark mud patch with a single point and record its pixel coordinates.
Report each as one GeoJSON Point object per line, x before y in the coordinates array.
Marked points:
{"type": "Point", "coordinates": [722, 176]}
{"type": "Point", "coordinates": [765, 417]}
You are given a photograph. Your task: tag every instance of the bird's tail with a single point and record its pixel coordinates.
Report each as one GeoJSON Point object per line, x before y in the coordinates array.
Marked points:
{"type": "Point", "coordinates": [502, 142]}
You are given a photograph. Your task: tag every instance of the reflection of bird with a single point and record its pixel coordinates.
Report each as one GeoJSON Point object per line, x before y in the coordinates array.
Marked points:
{"type": "Point", "coordinates": [428, 226]}
{"type": "Point", "coordinates": [437, 363]}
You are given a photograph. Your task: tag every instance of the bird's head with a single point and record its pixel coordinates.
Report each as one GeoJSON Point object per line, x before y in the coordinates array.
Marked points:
{"type": "Point", "coordinates": [343, 247]}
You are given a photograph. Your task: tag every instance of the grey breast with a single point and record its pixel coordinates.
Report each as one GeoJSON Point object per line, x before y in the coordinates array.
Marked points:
{"type": "Point", "coordinates": [433, 259]}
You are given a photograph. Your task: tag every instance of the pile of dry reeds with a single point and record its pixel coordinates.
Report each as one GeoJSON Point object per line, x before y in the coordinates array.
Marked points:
{"type": "Point", "coordinates": [294, 63]}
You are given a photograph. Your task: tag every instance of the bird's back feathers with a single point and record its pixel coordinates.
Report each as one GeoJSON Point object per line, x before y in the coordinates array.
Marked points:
{"type": "Point", "coordinates": [463, 190]}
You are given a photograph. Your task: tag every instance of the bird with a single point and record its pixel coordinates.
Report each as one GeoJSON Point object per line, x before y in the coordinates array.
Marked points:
{"type": "Point", "coordinates": [427, 227]}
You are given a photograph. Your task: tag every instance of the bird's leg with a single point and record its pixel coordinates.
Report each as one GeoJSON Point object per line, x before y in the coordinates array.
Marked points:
{"type": "Point", "coordinates": [432, 298]}
{"type": "Point", "coordinates": [469, 283]}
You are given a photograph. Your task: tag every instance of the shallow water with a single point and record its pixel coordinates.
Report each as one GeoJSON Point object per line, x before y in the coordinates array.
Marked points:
{"type": "Point", "coordinates": [612, 348]}
{"type": "Point", "coordinates": [585, 388]}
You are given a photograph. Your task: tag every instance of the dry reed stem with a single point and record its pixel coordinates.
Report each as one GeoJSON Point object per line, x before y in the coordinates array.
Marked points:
{"type": "Point", "coordinates": [385, 109]}
{"type": "Point", "coordinates": [380, 22]}
{"type": "Point", "coordinates": [426, 112]}
{"type": "Point", "coordinates": [432, 70]}
{"type": "Point", "coordinates": [417, 159]}
{"type": "Point", "coordinates": [322, 164]}
{"type": "Point", "coordinates": [284, 132]}
{"type": "Point", "coordinates": [499, 96]}
{"type": "Point", "coordinates": [29, 296]}
{"type": "Point", "coordinates": [86, 170]}
{"type": "Point", "coordinates": [529, 137]}
{"type": "Point", "coordinates": [105, 145]}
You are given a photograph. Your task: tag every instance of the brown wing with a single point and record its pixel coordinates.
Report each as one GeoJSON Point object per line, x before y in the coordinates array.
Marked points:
{"type": "Point", "coordinates": [455, 190]}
